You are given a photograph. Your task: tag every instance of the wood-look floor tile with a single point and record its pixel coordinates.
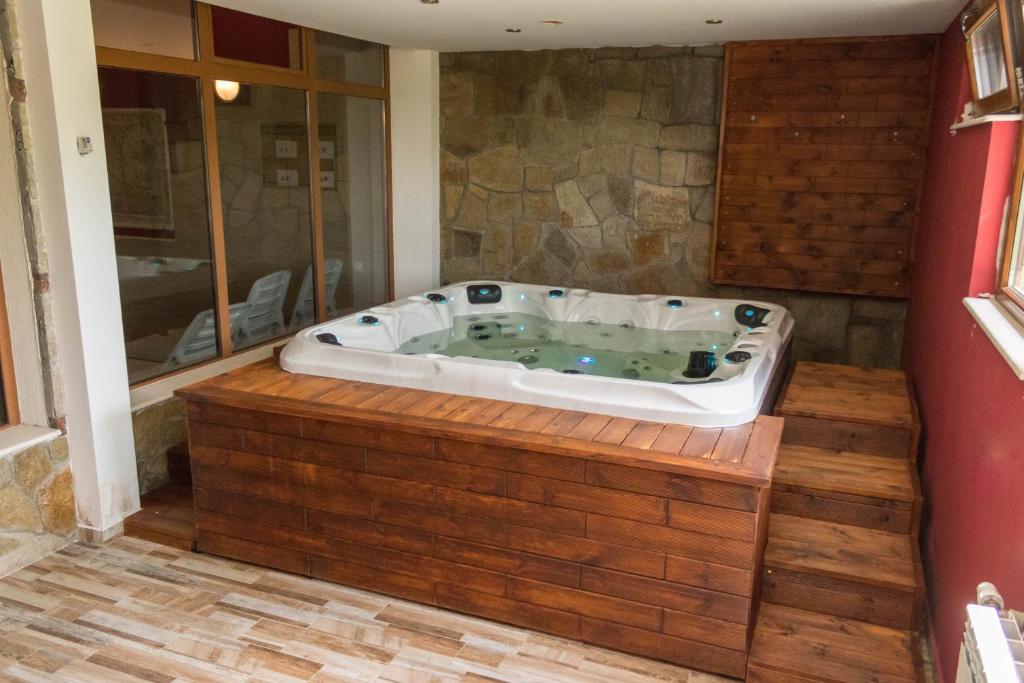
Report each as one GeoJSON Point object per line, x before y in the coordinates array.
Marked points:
{"type": "Point", "coordinates": [134, 611]}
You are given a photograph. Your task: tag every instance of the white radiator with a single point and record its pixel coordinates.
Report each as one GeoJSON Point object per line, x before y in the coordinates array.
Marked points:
{"type": "Point", "coordinates": [992, 650]}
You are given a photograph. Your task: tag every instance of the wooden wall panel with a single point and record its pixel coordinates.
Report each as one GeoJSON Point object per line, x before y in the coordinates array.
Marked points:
{"type": "Point", "coordinates": [820, 163]}
{"type": "Point", "coordinates": [639, 536]}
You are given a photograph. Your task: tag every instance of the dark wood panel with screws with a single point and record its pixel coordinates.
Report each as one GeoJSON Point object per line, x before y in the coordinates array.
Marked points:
{"type": "Point", "coordinates": [820, 163]}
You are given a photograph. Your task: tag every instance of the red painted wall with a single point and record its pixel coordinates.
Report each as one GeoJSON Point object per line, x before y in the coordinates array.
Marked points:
{"type": "Point", "coordinates": [972, 405]}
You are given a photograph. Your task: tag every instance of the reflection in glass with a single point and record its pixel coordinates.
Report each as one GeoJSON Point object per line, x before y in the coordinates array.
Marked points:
{"type": "Point", "coordinates": [159, 27]}
{"type": "Point", "coordinates": [353, 182]}
{"type": "Point", "coordinates": [989, 63]}
{"type": "Point", "coordinates": [156, 163]}
{"type": "Point", "coordinates": [341, 58]}
{"type": "Point", "coordinates": [249, 38]}
{"type": "Point", "coordinates": [263, 144]}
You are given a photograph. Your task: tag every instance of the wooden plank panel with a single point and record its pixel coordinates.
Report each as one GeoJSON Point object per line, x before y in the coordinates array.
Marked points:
{"type": "Point", "coordinates": [807, 117]}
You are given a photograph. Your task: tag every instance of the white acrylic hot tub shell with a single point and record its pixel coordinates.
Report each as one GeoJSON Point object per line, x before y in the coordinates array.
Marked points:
{"type": "Point", "coordinates": [369, 354]}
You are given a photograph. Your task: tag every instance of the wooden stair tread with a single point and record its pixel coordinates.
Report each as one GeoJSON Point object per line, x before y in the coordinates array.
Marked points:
{"type": "Point", "coordinates": [794, 644]}
{"type": "Point", "coordinates": [841, 551]}
{"type": "Point", "coordinates": [167, 517]}
{"type": "Point", "coordinates": [849, 394]}
{"type": "Point", "coordinates": [846, 472]}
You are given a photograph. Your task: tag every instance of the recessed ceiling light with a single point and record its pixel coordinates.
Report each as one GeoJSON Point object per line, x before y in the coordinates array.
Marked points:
{"type": "Point", "coordinates": [430, 2]}
{"type": "Point", "coordinates": [706, 21]}
{"type": "Point", "coordinates": [552, 22]}
{"type": "Point", "coordinates": [514, 30]}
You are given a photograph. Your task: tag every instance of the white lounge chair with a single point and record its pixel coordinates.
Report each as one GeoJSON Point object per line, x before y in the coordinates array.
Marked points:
{"type": "Point", "coordinates": [264, 318]}
{"type": "Point", "coordinates": [199, 340]}
{"type": "Point", "coordinates": [304, 314]}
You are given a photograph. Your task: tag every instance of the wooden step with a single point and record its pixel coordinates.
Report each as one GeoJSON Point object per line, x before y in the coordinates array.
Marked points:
{"type": "Point", "coordinates": [870, 491]}
{"type": "Point", "coordinates": [797, 646]}
{"type": "Point", "coordinates": [167, 517]}
{"type": "Point", "coordinates": [843, 570]}
{"type": "Point", "coordinates": [865, 410]}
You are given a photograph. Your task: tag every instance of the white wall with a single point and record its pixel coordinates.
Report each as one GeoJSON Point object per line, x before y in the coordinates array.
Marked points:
{"type": "Point", "coordinates": [415, 170]}
{"type": "Point", "coordinates": [74, 204]}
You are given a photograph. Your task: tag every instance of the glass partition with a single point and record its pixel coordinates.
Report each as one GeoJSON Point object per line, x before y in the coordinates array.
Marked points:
{"type": "Point", "coordinates": [159, 27]}
{"type": "Point", "coordinates": [156, 162]}
{"type": "Point", "coordinates": [249, 38]}
{"type": "Point", "coordinates": [340, 58]}
{"type": "Point", "coordinates": [263, 143]}
{"type": "Point", "coordinates": [354, 187]}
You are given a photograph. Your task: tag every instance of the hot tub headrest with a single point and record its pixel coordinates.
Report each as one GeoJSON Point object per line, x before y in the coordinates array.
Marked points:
{"type": "Point", "coordinates": [484, 294]}
{"type": "Point", "coordinates": [751, 315]}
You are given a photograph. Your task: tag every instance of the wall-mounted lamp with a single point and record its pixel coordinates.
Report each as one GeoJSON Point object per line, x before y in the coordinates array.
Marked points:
{"type": "Point", "coordinates": [227, 90]}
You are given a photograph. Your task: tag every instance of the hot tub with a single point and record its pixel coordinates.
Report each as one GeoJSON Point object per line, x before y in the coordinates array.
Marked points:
{"type": "Point", "coordinates": [700, 362]}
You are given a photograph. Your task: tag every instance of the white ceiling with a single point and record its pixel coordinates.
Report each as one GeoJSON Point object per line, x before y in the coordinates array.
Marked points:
{"type": "Point", "coordinates": [461, 25]}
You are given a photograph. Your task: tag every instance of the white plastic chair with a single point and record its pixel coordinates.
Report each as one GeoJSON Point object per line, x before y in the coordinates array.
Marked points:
{"type": "Point", "coordinates": [264, 318]}
{"type": "Point", "coordinates": [305, 304]}
{"type": "Point", "coordinates": [199, 340]}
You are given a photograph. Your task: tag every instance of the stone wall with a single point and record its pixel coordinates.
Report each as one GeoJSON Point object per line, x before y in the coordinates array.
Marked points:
{"type": "Point", "coordinates": [157, 429]}
{"type": "Point", "coordinates": [37, 504]}
{"type": "Point", "coordinates": [596, 169]}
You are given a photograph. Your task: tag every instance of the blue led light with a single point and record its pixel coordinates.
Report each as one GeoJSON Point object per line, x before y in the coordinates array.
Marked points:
{"type": "Point", "coordinates": [484, 291]}
{"type": "Point", "coordinates": [718, 314]}
{"type": "Point", "coordinates": [714, 347]}
{"type": "Point", "coordinates": [586, 360]}
{"type": "Point", "coordinates": [748, 313]}
{"type": "Point", "coordinates": [522, 328]}
{"type": "Point", "coordinates": [522, 297]}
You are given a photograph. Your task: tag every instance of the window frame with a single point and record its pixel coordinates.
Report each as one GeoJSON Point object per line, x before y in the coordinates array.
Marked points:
{"type": "Point", "coordinates": [1011, 300]}
{"type": "Point", "coordinates": [208, 68]}
{"type": "Point", "coordinates": [1009, 22]}
{"type": "Point", "coordinates": [10, 384]}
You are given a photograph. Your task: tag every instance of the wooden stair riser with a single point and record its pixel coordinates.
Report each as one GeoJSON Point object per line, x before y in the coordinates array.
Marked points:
{"type": "Point", "coordinates": [841, 598]}
{"type": "Point", "coordinates": [870, 513]}
{"type": "Point", "coordinates": [893, 442]}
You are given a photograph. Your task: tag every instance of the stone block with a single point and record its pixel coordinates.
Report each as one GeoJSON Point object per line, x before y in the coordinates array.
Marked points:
{"type": "Point", "coordinates": [466, 243]}
{"type": "Point", "coordinates": [496, 252]}
{"type": "Point", "coordinates": [504, 207]}
{"type": "Point", "coordinates": [17, 510]}
{"type": "Point", "coordinates": [549, 142]}
{"type": "Point", "coordinates": [453, 168]}
{"type": "Point", "coordinates": [465, 135]}
{"type": "Point", "coordinates": [605, 262]}
{"type": "Point", "coordinates": [620, 189]}
{"type": "Point", "coordinates": [32, 466]}
{"type": "Point", "coordinates": [497, 169]}
{"type": "Point", "coordinates": [624, 103]}
{"type": "Point", "coordinates": [700, 169]}
{"type": "Point", "coordinates": [57, 504]}
{"type": "Point", "coordinates": [657, 104]}
{"type": "Point", "coordinates": [648, 247]}
{"type": "Point", "coordinates": [526, 237]}
{"type": "Point", "coordinates": [540, 268]}
{"type": "Point", "coordinates": [572, 207]}
{"type": "Point", "coordinates": [820, 319]}
{"type": "Point", "coordinates": [697, 90]}
{"type": "Point", "coordinates": [673, 168]}
{"type": "Point", "coordinates": [592, 184]}
{"type": "Point", "coordinates": [646, 164]}
{"type": "Point", "coordinates": [612, 159]}
{"type": "Point", "coordinates": [451, 197]}
{"type": "Point", "coordinates": [656, 205]}
{"type": "Point", "coordinates": [473, 210]}
{"type": "Point", "coordinates": [541, 206]}
{"type": "Point", "coordinates": [639, 132]}
{"type": "Point", "coordinates": [540, 178]}
{"type": "Point", "coordinates": [456, 94]}
{"type": "Point", "coordinates": [602, 205]}
{"type": "Point", "coordinates": [689, 138]}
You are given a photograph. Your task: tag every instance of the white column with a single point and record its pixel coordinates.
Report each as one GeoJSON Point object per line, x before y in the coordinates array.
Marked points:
{"type": "Point", "coordinates": [74, 206]}
{"type": "Point", "coordinates": [415, 170]}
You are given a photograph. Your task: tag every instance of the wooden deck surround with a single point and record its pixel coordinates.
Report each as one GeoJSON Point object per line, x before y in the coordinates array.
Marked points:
{"type": "Point", "coordinates": [637, 536]}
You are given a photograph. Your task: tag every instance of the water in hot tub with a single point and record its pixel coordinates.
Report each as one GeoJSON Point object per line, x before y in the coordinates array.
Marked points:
{"type": "Point", "coordinates": [590, 348]}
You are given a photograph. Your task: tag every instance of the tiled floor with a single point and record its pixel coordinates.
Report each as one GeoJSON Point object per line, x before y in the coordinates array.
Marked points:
{"type": "Point", "coordinates": [132, 611]}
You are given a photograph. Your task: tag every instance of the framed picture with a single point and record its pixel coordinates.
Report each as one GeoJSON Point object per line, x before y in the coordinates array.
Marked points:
{"type": "Point", "coordinates": [139, 168]}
